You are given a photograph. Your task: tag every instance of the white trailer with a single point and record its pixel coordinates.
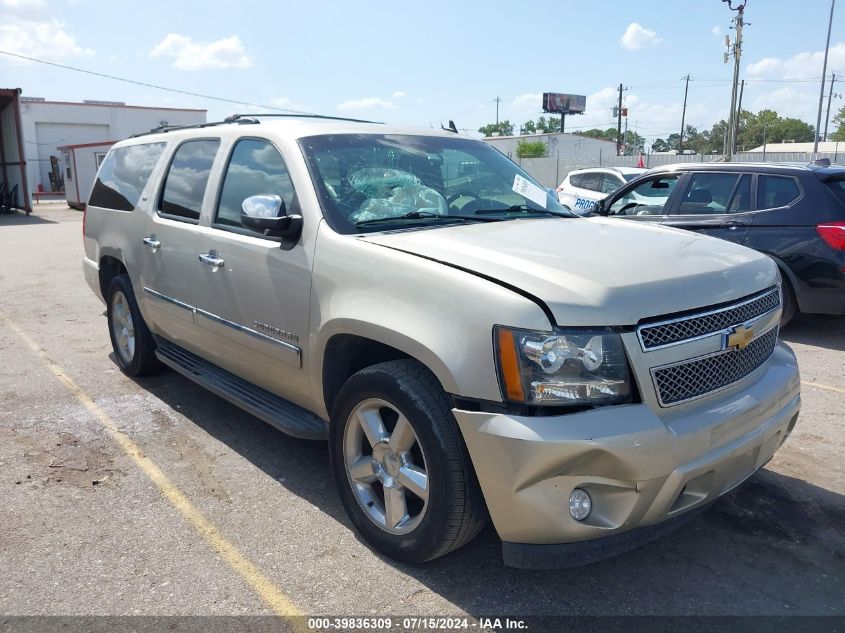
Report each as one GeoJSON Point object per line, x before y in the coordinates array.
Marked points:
{"type": "Point", "coordinates": [81, 164]}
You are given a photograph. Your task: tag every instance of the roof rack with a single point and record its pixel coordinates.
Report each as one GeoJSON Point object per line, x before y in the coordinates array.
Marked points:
{"type": "Point", "coordinates": [171, 128]}
{"type": "Point", "coordinates": [236, 118]}
{"type": "Point", "coordinates": [248, 119]}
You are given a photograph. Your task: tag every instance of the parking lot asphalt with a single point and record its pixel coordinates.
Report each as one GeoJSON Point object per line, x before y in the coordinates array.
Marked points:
{"type": "Point", "coordinates": [245, 520]}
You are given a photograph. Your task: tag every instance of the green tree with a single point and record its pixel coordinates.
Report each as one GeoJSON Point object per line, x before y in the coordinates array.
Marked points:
{"type": "Point", "coordinates": [839, 122]}
{"type": "Point", "coordinates": [548, 126]}
{"type": "Point", "coordinates": [529, 128]}
{"type": "Point", "coordinates": [769, 127]}
{"type": "Point", "coordinates": [504, 128]}
{"type": "Point", "coordinates": [531, 149]}
{"type": "Point", "coordinates": [603, 135]}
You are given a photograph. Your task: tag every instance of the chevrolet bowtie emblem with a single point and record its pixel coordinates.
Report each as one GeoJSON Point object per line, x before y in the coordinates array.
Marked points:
{"type": "Point", "coordinates": [738, 337]}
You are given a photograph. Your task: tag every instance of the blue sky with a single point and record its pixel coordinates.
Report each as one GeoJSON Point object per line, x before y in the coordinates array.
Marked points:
{"type": "Point", "coordinates": [423, 63]}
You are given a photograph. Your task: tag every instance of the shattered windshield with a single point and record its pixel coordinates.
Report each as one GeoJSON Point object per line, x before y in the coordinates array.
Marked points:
{"type": "Point", "coordinates": [374, 182]}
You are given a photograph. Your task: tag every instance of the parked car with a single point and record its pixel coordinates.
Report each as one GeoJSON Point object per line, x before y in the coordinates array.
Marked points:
{"type": "Point", "coordinates": [583, 188]}
{"type": "Point", "coordinates": [793, 213]}
{"type": "Point", "coordinates": [467, 346]}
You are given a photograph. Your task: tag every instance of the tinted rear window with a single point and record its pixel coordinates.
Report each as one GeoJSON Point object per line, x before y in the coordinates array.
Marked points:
{"type": "Point", "coordinates": [184, 185]}
{"type": "Point", "coordinates": [838, 189]}
{"type": "Point", "coordinates": [123, 176]}
{"type": "Point", "coordinates": [776, 191]}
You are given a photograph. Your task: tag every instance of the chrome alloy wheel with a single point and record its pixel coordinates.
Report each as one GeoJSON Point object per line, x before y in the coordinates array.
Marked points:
{"type": "Point", "coordinates": [385, 466]}
{"type": "Point", "coordinates": [122, 327]}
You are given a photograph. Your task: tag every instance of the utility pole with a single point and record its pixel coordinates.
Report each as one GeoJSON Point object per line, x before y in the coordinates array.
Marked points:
{"type": "Point", "coordinates": [738, 116]}
{"type": "Point", "coordinates": [824, 73]}
{"type": "Point", "coordinates": [737, 53]}
{"type": "Point", "coordinates": [683, 114]}
{"type": "Point", "coordinates": [497, 110]}
{"type": "Point", "coordinates": [619, 124]}
{"type": "Point", "coordinates": [829, 97]}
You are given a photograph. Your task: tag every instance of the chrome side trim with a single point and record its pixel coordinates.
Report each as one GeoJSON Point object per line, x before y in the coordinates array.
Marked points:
{"type": "Point", "coordinates": [293, 349]}
{"type": "Point", "coordinates": [699, 315]}
{"type": "Point", "coordinates": [653, 371]}
{"type": "Point", "coordinates": [176, 302]}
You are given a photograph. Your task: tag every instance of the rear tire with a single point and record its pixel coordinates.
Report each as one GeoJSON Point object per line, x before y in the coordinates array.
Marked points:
{"type": "Point", "coordinates": [790, 304]}
{"type": "Point", "coordinates": [392, 425]}
{"type": "Point", "coordinates": [133, 344]}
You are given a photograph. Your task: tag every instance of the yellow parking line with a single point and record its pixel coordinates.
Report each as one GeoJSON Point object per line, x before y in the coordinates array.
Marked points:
{"type": "Point", "coordinates": [274, 597]}
{"type": "Point", "coordinates": [818, 385]}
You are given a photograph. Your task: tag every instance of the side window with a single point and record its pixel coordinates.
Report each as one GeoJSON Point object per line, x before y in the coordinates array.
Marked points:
{"type": "Point", "coordinates": [575, 180]}
{"type": "Point", "coordinates": [708, 193]}
{"type": "Point", "coordinates": [255, 168]}
{"type": "Point", "coordinates": [184, 184]}
{"type": "Point", "coordinates": [123, 175]}
{"type": "Point", "coordinates": [647, 198]}
{"type": "Point", "coordinates": [776, 191]}
{"type": "Point", "coordinates": [610, 183]}
{"type": "Point", "coordinates": [741, 200]}
{"type": "Point", "coordinates": [591, 182]}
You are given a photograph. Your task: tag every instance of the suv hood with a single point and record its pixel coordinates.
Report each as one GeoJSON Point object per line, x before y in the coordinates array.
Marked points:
{"type": "Point", "coordinates": [596, 271]}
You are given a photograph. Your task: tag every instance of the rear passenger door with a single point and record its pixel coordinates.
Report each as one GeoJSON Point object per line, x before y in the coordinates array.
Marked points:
{"type": "Point", "coordinates": [253, 307]}
{"type": "Point", "coordinates": [167, 248]}
{"type": "Point", "coordinates": [718, 204]}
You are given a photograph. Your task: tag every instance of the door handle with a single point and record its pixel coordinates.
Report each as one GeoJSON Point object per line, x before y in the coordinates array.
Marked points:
{"type": "Point", "coordinates": [211, 259]}
{"type": "Point", "coordinates": [733, 225]}
{"type": "Point", "coordinates": [152, 243]}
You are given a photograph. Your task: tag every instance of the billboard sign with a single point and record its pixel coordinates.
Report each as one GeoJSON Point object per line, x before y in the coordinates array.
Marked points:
{"type": "Point", "coordinates": [561, 103]}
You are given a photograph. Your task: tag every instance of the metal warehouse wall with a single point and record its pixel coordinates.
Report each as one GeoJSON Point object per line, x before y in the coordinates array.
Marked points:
{"type": "Point", "coordinates": [50, 124]}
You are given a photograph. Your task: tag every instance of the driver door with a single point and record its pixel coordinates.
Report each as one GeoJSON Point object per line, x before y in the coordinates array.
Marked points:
{"type": "Point", "coordinates": [645, 200]}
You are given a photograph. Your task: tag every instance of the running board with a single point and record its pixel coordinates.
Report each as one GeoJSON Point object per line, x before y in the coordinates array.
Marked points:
{"type": "Point", "coordinates": [278, 412]}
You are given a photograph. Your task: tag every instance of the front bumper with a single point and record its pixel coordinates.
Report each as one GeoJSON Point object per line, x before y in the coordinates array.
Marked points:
{"type": "Point", "coordinates": [641, 467]}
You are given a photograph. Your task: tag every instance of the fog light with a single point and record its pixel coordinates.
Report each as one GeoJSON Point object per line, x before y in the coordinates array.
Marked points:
{"type": "Point", "coordinates": [580, 504]}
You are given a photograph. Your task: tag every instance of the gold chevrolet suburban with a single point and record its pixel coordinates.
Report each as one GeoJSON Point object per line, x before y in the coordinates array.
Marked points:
{"type": "Point", "coordinates": [469, 348]}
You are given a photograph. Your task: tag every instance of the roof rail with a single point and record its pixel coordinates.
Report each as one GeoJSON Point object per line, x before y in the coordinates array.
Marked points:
{"type": "Point", "coordinates": [235, 118]}
{"type": "Point", "coordinates": [161, 129]}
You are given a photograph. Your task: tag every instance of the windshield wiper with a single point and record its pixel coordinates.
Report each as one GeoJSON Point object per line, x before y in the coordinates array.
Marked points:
{"type": "Point", "coordinates": [522, 208]}
{"type": "Point", "coordinates": [425, 215]}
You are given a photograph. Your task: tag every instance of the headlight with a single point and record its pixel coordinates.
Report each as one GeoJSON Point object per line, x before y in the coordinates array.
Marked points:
{"type": "Point", "coordinates": [565, 367]}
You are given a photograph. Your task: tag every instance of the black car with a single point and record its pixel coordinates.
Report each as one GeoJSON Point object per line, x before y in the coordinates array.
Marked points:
{"type": "Point", "coordinates": [793, 213]}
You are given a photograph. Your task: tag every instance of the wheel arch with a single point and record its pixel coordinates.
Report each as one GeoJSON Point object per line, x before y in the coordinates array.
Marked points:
{"type": "Point", "coordinates": [346, 352]}
{"type": "Point", "coordinates": [110, 266]}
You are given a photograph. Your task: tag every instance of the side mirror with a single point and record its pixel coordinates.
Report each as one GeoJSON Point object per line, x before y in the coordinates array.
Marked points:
{"type": "Point", "coordinates": [266, 214]}
{"type": "Point", "coordinates": [599, 207]}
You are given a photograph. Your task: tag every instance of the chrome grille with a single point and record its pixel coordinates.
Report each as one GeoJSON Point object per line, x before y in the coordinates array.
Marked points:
{"type": "Point", "coordinates": [694, 378]}
{"type": "Point", "coordinates": [695, 325]}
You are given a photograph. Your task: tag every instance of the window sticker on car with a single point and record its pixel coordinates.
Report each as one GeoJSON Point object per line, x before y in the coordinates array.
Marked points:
{"type": "Point", "coordinates": [528, 189]}
{"type": "Point", "coordinates": [582, 204]}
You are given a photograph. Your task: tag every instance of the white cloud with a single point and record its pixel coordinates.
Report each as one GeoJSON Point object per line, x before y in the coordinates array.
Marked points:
{"type": "Point", "coordinates": [716, 30]}
{"type": "Point", "coordinates": [399, 94]}
{"type": "Point", "coordinates": [806, 65]}
{"type": "Point", "coordinates": [533, 100]}
{"type": "Point", "coordinates": [366, 103]}
{"type": "Point", "coordinates": [636, 36]}
{"type": "Point", "coordinates": [24, 9]}
{"type": "Point", "coordinates": [227, 52]}
{"type": "Point", "coordinates": [42, 40]}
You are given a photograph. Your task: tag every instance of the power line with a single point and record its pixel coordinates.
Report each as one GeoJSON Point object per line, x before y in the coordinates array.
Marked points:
{"type": "Point", "coordinates": [149, 85]}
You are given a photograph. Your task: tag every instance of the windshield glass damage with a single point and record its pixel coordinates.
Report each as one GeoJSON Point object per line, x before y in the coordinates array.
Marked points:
{"type": "Point", "coordinates": [373, 181]}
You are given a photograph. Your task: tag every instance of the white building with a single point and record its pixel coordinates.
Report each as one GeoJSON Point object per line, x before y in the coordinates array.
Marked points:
{"type": "Point", "coordinates": [568, 146]}
{"type": "Point", "coordinates": [828, 147]}
{"type": "Point", "coordinates": [48, 125]}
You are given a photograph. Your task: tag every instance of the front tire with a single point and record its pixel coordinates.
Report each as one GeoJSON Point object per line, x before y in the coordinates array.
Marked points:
{"type": "Point", "coordinates": [133, 344]}
{"type": "Point", "coordinates": [790, 303]}
{"type": "Point", "coordinates": [401, 468]}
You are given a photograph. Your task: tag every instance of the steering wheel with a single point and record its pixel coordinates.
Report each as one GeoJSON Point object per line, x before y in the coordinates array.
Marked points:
{"type": "Point", "coordinates": [623, 210]}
